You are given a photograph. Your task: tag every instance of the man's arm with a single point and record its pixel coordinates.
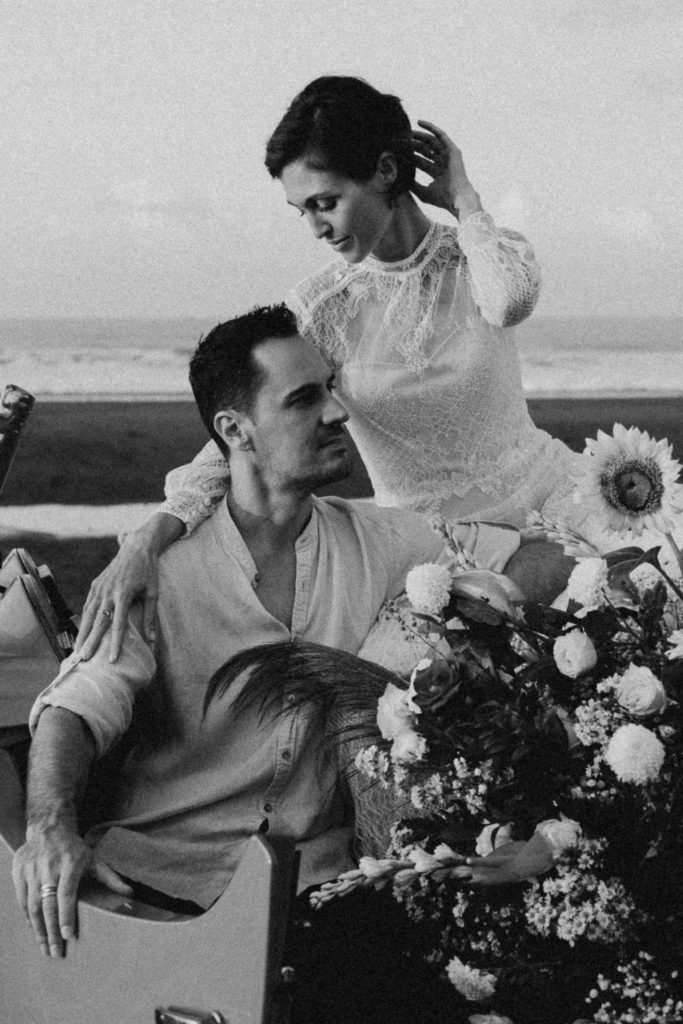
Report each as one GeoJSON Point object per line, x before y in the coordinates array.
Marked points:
{"type": "Point", "coordinates": [54, 853]}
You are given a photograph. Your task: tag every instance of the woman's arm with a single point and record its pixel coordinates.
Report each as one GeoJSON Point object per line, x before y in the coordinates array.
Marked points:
{"type": "Point", "coordinates": [192, 492]}
{"type": "Point", "coordinates": [504, 275]}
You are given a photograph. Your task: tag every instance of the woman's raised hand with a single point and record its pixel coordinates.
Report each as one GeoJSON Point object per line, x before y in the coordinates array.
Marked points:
{"type": "Point", "coordinates": [438, 157]}
{"type": "Point", "coordinates": [131, 574]}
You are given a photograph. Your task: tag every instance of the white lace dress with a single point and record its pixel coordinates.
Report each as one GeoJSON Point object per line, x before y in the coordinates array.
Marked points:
{"type": "Point", "coordinates": [429, 371]}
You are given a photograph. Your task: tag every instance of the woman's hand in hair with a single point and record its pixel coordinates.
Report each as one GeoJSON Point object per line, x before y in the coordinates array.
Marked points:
{"type": "Point", "coordinates": [439, 158]}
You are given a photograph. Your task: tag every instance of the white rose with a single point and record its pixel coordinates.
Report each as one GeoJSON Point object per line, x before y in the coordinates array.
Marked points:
{"type": "Point", "coordinates": [428, 588]}
{"type": "Point", "coordinates": [640, 692]}
{"type": "Point", "coordinates": [574, 653]}
{"type": "Point", "coordinates": [635, 754]}
{"type": "Point", "coordinates": [408, 745]}
{"type": "Point", "coordinates": [491, 837]}
{"type": "Point", "coordinates": [560, 834]}
{"type": "Point", "coordinates": [393, 713]}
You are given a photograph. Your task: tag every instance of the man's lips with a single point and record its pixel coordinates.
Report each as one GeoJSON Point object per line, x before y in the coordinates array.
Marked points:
{"type": "Point", "coordinates": [336, 243]}
{"type": "Point", "coordinates": [338, 439]}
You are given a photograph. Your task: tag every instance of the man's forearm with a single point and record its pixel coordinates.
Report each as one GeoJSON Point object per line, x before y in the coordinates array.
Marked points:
{"type": "Point", "coordinates": [62, 754]}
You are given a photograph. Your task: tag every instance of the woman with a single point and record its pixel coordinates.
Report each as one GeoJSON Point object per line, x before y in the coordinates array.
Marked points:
{"type": "Point", "coordinates": [414, 314]}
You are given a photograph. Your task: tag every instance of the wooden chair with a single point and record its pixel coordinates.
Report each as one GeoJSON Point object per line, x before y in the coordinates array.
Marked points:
{"type": "Point", "coordinates": [131, 963]}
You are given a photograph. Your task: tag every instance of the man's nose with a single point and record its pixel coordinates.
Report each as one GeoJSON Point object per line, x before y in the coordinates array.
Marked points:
{"type": "Point", "coordinates": [334, 411]}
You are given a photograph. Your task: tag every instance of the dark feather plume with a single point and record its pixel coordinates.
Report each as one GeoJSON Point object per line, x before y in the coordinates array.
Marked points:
{"type": "Point", "coordinates": [343, 687]}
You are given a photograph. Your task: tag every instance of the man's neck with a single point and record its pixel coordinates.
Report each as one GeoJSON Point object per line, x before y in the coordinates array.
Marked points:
{"type": "Point", "coordinates": [268, 521]}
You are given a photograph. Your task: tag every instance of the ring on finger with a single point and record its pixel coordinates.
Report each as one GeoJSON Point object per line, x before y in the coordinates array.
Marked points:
{"type": "Point", "coordinates": [48, 892]}
{"type": "Point", "coordinates": [106, 611]}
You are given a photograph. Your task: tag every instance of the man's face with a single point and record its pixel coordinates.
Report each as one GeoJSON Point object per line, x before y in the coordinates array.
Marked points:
{"type": "Point", "coordinates": [296, 425]}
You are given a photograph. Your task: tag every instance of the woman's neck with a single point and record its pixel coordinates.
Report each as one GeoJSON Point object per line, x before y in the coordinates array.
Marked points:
{"type": "Point", "coordinates": [406, 229]}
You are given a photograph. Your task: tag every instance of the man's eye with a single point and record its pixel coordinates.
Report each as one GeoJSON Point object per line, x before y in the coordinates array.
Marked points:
{"type": "Point", "coordinates": [325, 207]}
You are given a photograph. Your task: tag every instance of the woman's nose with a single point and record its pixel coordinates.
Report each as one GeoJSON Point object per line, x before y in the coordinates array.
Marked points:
{"type": "Point", "coordinates": [319, 225]}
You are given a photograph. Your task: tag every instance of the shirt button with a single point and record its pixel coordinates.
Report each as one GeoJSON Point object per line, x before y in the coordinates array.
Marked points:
{"type": "Point", "coordinates": [290, 698]}
{"type": "Point", "coordinates": [286, 755]}
{"type": "Point", "coordinates": [268, 808]}
{"type": "Point", "coordinates": [208, 502]}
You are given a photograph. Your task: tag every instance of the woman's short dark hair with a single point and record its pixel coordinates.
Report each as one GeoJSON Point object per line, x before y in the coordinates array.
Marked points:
{"type": "Point", "coordinates": [223, 371]}
{"type": "Point", "coordinates": [343, 125]}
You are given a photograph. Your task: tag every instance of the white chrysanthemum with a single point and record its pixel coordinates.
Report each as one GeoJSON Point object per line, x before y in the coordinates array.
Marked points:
{"type": "Point", "coordinates": [629, 482]}
{"type": "Point", "coordinates": [428, 588]}
{"type": "Point", "coordinates": [574, 653]}
{"type": "Point", "coordinates": [408, 746]}
{"type": "Point", "coordinates": [588, 583]}
{"type": "Point", "coordinates": [470, 982]}
{"type": "Point", "coordinates": [640, 692]}
{"type": "Point", "coordinates": [676, 639]}
{"type": "Point", "coordinates": [635, 754]}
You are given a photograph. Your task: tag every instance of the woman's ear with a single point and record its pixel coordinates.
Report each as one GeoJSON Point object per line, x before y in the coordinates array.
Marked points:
{"type": "Point", "coordinates": [231, 427]}
{"type": "Point", "coordinates": [387, 170]}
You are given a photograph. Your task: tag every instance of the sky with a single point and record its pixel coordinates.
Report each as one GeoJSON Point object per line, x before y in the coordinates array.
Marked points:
{"type": "Point", "coordinates": [133, 132]}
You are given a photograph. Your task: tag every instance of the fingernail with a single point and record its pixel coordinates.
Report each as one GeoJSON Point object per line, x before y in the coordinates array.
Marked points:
{"type": "Point", "coordinates": [55, 950]}
{"type": "Point", "coordinates": [152, 634]}
{"type": "Point", "coordinates": [68, 933]}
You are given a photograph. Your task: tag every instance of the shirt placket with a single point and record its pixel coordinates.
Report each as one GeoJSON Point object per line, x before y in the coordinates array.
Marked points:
{"type": "Point", "coordinates": [290, 729]}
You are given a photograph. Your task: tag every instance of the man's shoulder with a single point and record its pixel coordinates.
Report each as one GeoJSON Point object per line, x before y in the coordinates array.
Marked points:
{"type": "Point", "coordinates": [363, 514]}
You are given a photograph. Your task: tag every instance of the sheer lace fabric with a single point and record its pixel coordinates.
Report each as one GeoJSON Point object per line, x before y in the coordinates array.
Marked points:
{"type": "Point", "coordinates": [430, 375]}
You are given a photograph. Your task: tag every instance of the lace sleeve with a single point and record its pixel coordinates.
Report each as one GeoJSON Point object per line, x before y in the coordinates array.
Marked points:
{"type": "Point", "coordinates": [504, 275]}
{"type": "Point", "coordinates": [192, 491]}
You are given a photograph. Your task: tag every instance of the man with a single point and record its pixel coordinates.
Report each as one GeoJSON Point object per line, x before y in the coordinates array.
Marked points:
{"type": "Point", "coordinates": [272, 563]}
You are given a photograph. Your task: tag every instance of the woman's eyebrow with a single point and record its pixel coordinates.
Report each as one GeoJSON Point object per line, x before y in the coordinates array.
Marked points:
{"type": "Point", "coordinates": [311, 199]}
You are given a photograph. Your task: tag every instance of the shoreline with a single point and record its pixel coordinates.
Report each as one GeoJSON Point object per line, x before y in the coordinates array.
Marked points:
{"type": "Point", "coordinates": [85, 469]}
{"type": "Point", "coordinates": [585, 395]}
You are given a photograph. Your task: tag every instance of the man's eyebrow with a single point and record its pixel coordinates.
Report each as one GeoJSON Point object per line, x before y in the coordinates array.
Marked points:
{"type": "Point", "coordinates": [311, 388]}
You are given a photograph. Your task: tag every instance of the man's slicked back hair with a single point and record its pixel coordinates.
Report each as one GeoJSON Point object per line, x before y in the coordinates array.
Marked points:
{"type": "Point", "coordinates": [223, 371]}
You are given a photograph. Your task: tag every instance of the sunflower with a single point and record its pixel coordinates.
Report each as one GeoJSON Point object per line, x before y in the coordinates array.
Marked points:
{"type": "Point", "coordinates": [630, 481]}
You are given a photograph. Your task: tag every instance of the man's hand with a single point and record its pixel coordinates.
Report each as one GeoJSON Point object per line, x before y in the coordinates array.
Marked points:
{"type": "Point", "coordinates": [47, 871]}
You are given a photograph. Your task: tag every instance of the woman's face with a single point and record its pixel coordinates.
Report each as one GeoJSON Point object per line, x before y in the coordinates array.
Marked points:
{"type": "Point", "coordinates": [351, 216]}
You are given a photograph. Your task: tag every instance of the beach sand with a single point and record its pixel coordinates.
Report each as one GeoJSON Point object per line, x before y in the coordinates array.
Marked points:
{"type": "Point", "coordinates": [108, 453]}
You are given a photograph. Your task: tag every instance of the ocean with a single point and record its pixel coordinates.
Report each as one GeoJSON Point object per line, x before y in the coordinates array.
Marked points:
{"type": "Point", "coordinates": [134, 358]}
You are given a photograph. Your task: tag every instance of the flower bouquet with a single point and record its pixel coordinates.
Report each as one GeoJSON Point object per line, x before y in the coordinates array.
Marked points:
{"type": "Point", "coordinates": [537, 759]}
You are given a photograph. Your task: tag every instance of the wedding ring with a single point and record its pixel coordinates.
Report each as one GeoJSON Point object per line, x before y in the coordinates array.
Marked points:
{"type": "Point", "coordinates": [106, 611]}
{"type": "Point", "coordinates": [48, 891]}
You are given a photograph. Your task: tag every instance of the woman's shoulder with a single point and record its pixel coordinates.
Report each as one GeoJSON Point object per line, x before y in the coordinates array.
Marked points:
{"type": "Point", "coordinates": [331, 278]}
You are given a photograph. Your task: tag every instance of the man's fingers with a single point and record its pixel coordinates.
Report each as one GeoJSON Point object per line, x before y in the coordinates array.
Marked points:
{"type": "Point", "coordinates": [50, 909]}
{"type": "Point", "coordinates": [67, 897]}
{"type": "Point", "coordinates": [107, 876]}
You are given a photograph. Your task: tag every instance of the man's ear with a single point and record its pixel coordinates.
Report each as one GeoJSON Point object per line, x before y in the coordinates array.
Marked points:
{"type": "Point", "coordinates": [232, 427]}
{"type": "Point", "coordinates": [387, 171]}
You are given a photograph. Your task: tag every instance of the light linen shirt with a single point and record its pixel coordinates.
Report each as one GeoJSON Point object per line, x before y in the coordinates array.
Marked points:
{"type": "Point", "coordinates": [193, 789]}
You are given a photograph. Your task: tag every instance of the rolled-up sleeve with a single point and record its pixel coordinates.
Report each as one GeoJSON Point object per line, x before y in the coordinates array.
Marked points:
{"type": "Point", "coordinates": [101, 693]}
{"type": "Point", "coordinates": [504, 275]}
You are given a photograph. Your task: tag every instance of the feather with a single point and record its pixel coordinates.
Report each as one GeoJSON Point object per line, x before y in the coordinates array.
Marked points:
{"type": "Point", "coordinates": [343, 687]}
